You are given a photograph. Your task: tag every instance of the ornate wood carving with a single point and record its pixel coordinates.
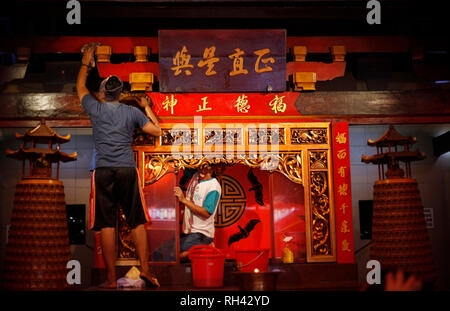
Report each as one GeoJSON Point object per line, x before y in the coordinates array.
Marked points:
{"type": "Point", "coordinates": [180, 136]}
{"type": "Point", "coordinates": [320, 208]}
{"type": "Point", "coordinates": [266, 136]}
{"type": "Point", "coordinates": [308, 136]}
{"type": "Point", "coordinates": [227, 136]}
{"type": "Point", "coordinates": [318, 159]}
{"type": "Point", "coordinates": [156, 166]}
{"type": "Point", "coordinates": [303, 156]}
{"type": "Point", "coordinates": [127, 249]}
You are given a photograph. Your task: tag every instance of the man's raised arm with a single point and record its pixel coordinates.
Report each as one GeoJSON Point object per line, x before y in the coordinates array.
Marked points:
{"type": "Point", "coordinates": [196, 209]}
{"type": "Point", "coordinates": [152, 127]}
{"type": "Point", "coordinates": [86, 62]}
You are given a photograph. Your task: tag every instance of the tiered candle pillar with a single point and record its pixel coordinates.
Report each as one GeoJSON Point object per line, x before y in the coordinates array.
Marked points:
{"type": "Point", "coordinates": [399, 234]}
{"type": "Point", "coordinates": [38, 248]}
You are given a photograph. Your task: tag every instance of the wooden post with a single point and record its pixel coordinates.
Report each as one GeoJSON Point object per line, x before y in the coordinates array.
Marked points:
{"type": "Point", "coordinates": [177, 224]}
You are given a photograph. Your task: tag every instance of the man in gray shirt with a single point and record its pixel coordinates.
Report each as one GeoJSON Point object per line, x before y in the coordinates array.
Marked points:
{"type": "Point", "coordinates": [116, 178]}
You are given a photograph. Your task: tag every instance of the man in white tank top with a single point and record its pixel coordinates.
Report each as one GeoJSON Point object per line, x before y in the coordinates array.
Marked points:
{"type": "Point", "coordinates": [200, 206]}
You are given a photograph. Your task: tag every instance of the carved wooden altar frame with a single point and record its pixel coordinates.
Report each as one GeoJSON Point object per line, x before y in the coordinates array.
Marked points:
{"type": "Point", "coordinates": [304, 154]}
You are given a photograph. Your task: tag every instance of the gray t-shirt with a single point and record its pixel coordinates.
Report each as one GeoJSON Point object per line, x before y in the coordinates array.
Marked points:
{"type": "Point", "coordinates": [113, 124]}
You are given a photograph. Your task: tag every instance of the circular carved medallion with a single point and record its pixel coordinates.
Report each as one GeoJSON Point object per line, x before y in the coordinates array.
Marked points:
{"type": "Point", "coordinates": [232, 202]}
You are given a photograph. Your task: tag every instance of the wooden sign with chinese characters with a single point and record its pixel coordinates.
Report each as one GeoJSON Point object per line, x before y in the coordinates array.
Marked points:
{"type": "Point", "coordinates": [224, 104]}
{"type": "Point", "coordinates": [222, 61]}
{"type": "Point", "coordinates": [342, 193]}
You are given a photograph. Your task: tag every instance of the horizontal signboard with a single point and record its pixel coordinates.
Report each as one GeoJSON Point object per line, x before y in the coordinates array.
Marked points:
{"type": "Point", "coordinates": [222, 61]}
{"type": "Point", "coordinates": [224, 104]}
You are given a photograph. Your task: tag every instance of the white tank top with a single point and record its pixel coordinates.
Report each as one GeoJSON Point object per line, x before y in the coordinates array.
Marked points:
{"type": "Point", "coordinates": [197, 193]}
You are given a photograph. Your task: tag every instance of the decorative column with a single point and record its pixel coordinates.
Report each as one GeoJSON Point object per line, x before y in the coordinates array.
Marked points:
{"type": "Point", "coordinates": [38, 249]}
{"type": "Point", "coordinates": [343, 193]}
{"type": "Point", "coordinates": [399, 234]}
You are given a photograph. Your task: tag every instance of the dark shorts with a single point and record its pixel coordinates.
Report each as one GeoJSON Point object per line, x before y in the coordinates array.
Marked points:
{"type": "Point", "coordinates": [193, 239]}
{"type": "Point", "coordinates": [118, 186]}
{"type": "Point", "coordinates": [167, 251]}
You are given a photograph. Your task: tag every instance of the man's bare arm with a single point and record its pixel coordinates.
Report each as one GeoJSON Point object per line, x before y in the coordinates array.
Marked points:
{"type": "Point", "coordinates": [152, 127]}
{"type": "Point", "coordinates": [88, 56]}
{"type": "Point", "coordinates": [197, 210]}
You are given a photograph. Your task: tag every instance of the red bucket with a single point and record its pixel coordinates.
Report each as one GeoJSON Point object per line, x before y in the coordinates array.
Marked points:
{"type": "Point", "coordinates": [207, 266]}
{"type": "Point", "coordinates": [249, 260]}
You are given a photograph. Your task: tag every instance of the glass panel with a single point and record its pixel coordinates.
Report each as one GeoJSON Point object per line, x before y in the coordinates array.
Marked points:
{"type": "Point", "coordinates": [289, 218]}
{"type": "Point", "coordinates": [161, 232]}
{"type": "Point", "coordinates": [243, 216]}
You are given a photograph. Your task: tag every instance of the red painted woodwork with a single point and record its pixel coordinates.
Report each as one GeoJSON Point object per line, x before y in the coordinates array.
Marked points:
{"type": "Point", "coordinates": [361, 44]}
{"type": "Point", "coordinates": [342, 193]}
{"type": "Point", "coordinates": [73, 44]}
{"type": "Point", "coordinates": [222, 104]}
{"type": "Point", "coordinates": [324, 71]}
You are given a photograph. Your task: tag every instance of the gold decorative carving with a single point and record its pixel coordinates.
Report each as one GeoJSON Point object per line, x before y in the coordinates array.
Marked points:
{"type": "Point", "coordinates": [291, 167]}
{"type": "Point", "coordinates": [181, 136]}
{"type": "Point", "coordinates": [158, 165]}
{"type": "Point", "coordinates": [126, 244]}
{"type": "Point", "coordinates": [103, 53]}
{"type": "Point", "coordinates": [299, 52]}
{"type": "Point", "coordinates": [227, 136]}
{"type": "Point", "coordinates": [338, 52]}
{"type": "Point", "coordinates": [141, 81]}
{"type": "Point", "coordinates": [308, 136]}
{"type": "Point", "coordinates": [318, 159]}
{"type": "Point", "coordinates": [304, 81]}
{"type": "Point", "coordinates": [141, 53]}
{"type": "Point", "coordinates": [320, 210]}
{"type": "Point", "coordinates": [266, 136]}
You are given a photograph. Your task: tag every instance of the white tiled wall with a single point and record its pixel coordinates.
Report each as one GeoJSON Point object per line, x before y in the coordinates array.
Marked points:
{"type": "Point", "coordinates": [432, 175]}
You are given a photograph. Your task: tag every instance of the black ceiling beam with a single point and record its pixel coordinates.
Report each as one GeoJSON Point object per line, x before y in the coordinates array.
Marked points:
{"type": "Point", "coordinates": [317, 10]}
{"type": "Point", "coordinates": [399, 17]}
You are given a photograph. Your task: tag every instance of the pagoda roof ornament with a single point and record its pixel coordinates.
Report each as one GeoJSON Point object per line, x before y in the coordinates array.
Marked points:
{"type": "Point", "coordinates": [53, 156]}
{"type": "Point", "coordinates": [384, 158]}
{"type": "Point", "coordinates": [42, 133]}
{"type": "Point", "coordinates": [388, 153]}
{"type": "Point", "coordinates": [391, 138]}
{"type": "Point", "coordinates": [41, 159]}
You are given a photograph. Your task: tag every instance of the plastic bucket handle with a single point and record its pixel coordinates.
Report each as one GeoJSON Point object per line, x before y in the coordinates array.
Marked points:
{"type": "Point", "coordinates": [251, 261]}
{"type": "Point", "coordinates": [199, 247]}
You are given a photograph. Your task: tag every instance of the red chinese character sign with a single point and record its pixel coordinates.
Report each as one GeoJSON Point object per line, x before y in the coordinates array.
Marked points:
{"type": "Point", "coordinates": [222, 61]}
{"type": "Point", "coordinates": [224, 104]}
{"type": "Point", "coordinates": [342, 193]}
